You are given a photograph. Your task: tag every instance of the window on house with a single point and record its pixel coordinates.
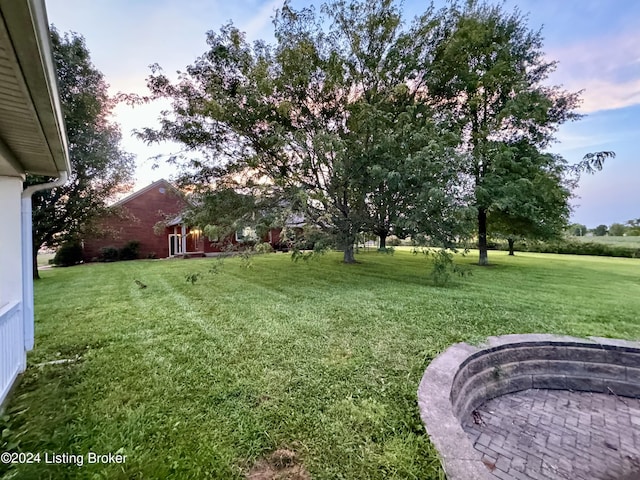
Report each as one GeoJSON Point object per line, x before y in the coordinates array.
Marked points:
{"type": "Point", "coordinates": [246, 234]}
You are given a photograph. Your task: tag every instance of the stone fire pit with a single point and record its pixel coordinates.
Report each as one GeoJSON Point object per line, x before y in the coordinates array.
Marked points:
{"type": "Point", "coordinates": [535, 406]}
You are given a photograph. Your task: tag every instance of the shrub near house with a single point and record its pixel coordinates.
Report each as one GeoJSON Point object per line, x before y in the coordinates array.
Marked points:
{"type": "Point", "coordinates": [69, 253]}
{"type": "Point", "coordinates": [129, 252]}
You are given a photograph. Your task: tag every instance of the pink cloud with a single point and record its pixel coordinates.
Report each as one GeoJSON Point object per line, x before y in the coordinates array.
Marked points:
{"type": "Point", "coordinates": [606, 68]}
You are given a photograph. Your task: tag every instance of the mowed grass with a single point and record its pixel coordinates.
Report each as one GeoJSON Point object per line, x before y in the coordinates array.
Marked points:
{"type": "Point", "coordinates": [629, 241]}
{"type": "Point", "coordinates": [203, 380]}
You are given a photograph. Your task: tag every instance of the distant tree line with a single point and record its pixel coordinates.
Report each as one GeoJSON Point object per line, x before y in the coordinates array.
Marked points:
{"type": "Point", "coordinates": [630, 228]}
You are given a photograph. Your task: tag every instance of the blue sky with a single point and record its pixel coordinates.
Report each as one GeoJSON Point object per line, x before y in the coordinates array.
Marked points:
{"type": "Point", "coordinates": [596, 42]}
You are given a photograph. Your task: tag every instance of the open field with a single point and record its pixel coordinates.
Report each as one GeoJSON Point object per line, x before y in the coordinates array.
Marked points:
{"type": "Point", "coordinates": [203, 380]}
{"type": "Point", "coordinates": [631, 242]}
{"type": "Point", "coordinates": [44, 258]}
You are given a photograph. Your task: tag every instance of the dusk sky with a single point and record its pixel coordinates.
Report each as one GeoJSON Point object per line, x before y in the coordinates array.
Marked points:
{"type": "Point", "coordinates": [597, 44]}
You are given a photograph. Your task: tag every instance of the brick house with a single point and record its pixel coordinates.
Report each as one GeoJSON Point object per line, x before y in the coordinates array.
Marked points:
{"type": "Point", "coordinates": [136, 216]}
{"type": "Point", "coordinates": [134, 220]}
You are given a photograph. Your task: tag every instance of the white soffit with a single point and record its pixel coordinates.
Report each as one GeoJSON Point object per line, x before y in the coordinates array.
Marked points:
{"type": "Point", "coordinates": [32, 134]}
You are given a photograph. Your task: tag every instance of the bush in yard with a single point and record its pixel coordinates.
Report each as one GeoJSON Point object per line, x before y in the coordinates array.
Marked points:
{"type": "Point", "coordinates": [130, 251]}
{"type": "Point", "coordinates": [69, 253]}
{"type": "Point", "coordinates": [246, 256]}
{"type": "Point", "coordinates": [444, 268]}
{"type": "Point", "coordinates": [109, 254]}
{"type": "Point", "coordinates": [192, 277]}
{"type": "Point", "coordinates": [264, 247]}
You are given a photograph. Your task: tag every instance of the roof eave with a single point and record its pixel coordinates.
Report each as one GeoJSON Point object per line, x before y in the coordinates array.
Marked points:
{"type": "Point", "coordinates": [28, 28]}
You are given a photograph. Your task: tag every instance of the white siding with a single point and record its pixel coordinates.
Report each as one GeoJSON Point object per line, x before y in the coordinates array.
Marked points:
{"type": "Point", "coordinates": [12, 351]}
{"type": "Point", "coordinates": [10, 241]}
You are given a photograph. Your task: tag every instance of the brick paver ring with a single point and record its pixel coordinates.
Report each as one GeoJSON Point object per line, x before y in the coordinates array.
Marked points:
{"type": "Point", "coordinates": [535, 407]}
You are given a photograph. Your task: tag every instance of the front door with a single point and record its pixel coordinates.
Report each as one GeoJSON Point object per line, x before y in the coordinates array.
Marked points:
{"type": "Point", "coordinates": [175, 244]}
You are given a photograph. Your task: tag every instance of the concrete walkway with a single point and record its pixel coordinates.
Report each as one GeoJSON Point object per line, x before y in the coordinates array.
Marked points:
{"type": "Point", "coordinates": [557, 434]}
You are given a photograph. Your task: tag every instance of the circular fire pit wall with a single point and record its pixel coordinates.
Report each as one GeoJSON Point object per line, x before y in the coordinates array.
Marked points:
{"type": "Point", "coordinates": [464, 377]}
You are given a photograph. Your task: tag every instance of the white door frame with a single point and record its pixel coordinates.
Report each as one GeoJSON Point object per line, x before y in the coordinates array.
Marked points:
{"type": "Point", "coordinates": [175, 244]}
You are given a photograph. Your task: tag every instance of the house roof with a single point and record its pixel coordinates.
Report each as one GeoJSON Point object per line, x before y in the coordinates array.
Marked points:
{"type": "Point", "coordinates": [295, 220]}
{"type": "Point", "coordinates": [157, 184]}
{"type": "Point", "coordinates": [178, 220]}
{"type": "Point", "coordinates": [32, 132]}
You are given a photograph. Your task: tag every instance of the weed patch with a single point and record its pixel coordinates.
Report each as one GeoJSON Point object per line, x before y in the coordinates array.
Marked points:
{"type": "Point", "coordinates": [283, 464]}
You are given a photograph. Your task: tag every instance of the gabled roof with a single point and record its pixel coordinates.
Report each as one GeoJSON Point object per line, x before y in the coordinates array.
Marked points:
{"type": "Point", "coordinates": [178, 220]}
{"type": "Point", "coordinates": [32, 132]}
{"type": "Point", "coordinates": [157, 184]}
{"type": "Point", "coordinates": [295, 220]}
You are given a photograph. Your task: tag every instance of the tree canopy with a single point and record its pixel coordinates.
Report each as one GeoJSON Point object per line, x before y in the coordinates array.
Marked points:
{"type": "Point", "coordinates": [364, 122]}
{"type": "Point", "coordinates": [577, 229]}
{"type": "Point", "coordinates": [633, 227]}
{"type": "Point", "coordinates": [489, 70]}
{"type": "Point", "coordinates": [600, 231]}
{"type": "Point", "coordinates": [617, 229]}
{"type": "Point", "coordinates": [100, 168]}
{"type": "Point", "coordinates": [530, 194]}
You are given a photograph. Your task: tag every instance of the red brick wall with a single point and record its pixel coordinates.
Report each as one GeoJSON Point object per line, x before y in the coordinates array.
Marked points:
{"type": "Point", "coordinates": [143, 211]}
{"type": "Point", "coordinates": [210, 247]}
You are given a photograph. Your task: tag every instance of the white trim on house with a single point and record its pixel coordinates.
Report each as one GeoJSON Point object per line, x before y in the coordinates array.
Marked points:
{"type": "Point", "coordinates": [11, 241]}
{"type": "Point", "coordinates": [27, 256]}
{"type": "Point", "coordinates": [178, 240]}
{"type": "Point", "coordinates": [31, 121]}
{"type": "Point", "coordinates": [175, 244]}
{"type": "Point", "coordinates": [246, 233]}
{"type": "Point", "coordinates": [32, 139]}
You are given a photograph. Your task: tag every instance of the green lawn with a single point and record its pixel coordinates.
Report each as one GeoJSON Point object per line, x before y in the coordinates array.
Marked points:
{"type": "Point", "coordinates": [631, 242]}
{"type": "Point", "coordinates": [203, 380]}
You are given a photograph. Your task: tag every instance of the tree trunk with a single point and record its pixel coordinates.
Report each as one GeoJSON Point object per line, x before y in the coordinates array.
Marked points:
{"type": "Point", "coordinates": [383, 242]}
{"type": "Point", "coordinates": [348, 254]}
{"type": "Point", "coordinates": [511, 242]}
{"type": "Point", "coordinates": [482, 236]}
{"type": "Point", "coordinates": [34, 256]}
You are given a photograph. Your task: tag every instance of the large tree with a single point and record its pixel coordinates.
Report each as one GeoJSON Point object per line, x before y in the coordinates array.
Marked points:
{"type": "Point", "coordinates": [600, 231]}
{"type": "Point", "coordinates": [577, 230]}
{"type": "Point", "coordinates": [530, 194]}
{"type": "Point", "coordinates": [617, 230]}
{"type": "Point", "coordinates": [315, 118]}
{"type": "Point", "coordinates": [633, 227]}
{"type": "Point", "coordinates": [100, 169]}
{"type": "Point", "coordinates": [532, 191]}
{"type": "Point", "coordinates": [403, 146]}
{"type": "Point", "coordinates": [489, 71]}
{"type": "Point", "coordinates": [412, 171]}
